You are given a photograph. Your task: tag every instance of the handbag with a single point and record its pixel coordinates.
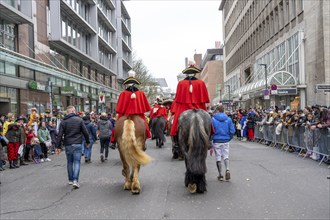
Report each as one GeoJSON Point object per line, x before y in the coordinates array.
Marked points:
{"type": "Point", "coordinates": [48, 143]}
{"type": "Point", "coordinates": [20, 150]}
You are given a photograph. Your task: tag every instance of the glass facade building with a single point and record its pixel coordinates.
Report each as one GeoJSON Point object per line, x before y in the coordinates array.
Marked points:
{"type": "Point", "coordinates": [59, 53]}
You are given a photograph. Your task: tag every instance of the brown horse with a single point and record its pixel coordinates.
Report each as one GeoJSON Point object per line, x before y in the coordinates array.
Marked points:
{"type": "Point", "coordinates": [130, 134]}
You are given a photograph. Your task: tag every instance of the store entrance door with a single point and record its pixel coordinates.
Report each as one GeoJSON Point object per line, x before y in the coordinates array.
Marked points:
{"type": "Point", "coordinates": [4, 106]}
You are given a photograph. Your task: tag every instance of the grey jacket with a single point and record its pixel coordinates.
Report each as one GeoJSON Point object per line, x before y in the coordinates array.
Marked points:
{"type": "Point", "coordinates": [104, 127]}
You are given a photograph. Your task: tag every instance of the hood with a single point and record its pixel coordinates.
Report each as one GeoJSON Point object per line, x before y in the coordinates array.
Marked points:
{"type": "Point", "coordinates": [86, 122]}
{"type": "Point", "coordinates": [103, 121]}
{"type": "Point", "coordinates": [221, 117]}
{"type": "Point", "coordinates": [69, 116]}
{"type": "Point", "coordinates": [103, 118]}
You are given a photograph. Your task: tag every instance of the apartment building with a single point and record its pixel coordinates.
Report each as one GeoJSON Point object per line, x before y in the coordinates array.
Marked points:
{"type": "Point", "coordinates": [277, 42]}
{"type": "Point", "coordinates": [212, 74]}
{"type": "Point", "coordinates": [65, 52]}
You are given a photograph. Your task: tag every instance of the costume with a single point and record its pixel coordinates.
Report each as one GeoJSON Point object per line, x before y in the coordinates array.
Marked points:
{"type": "Point", "coordinates": [132, 101]}
{"type": "Point", "coordinates": [191, 93]}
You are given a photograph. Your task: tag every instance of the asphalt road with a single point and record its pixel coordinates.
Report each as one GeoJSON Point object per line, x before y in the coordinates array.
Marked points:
{"type": "Point", "coordinates": [266, 184]}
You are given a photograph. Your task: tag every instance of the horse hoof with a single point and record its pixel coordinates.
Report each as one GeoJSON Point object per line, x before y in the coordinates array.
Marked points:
{"type": "Point", "coordinates": [136, 192]}
{"type": "Point", "coordinates": [192, 188]}
{"type": "Point", "coordinates": [127, 186]}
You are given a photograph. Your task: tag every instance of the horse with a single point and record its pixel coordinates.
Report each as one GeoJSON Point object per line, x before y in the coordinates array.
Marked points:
{"type": "Point", "coordinates": [158, 127]}
{"type": "Point", "coordinates": [194, 131]}
{"type": "Point", "coordinates": [130, 136]}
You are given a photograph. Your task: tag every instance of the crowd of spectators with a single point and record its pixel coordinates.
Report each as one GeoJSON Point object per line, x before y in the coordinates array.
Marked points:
{"type": "Point", "coordinates": [30, 140]}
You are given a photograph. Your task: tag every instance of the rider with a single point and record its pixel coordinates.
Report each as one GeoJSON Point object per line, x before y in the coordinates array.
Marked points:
{"type": "Point", "coordinates": [191, 93]}
{"type": "Point", "coordinates": [132, 101]}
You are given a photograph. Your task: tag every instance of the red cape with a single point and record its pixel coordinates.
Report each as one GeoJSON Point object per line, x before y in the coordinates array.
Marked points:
{"type": "Point", "coordinates": [184, 100]}
{"type": "Point", "coordinates": [198, 95]}
{"type": "Point", "coordinates": [128, 106]}
{"type": "Point", "coordinates": [162, 111]}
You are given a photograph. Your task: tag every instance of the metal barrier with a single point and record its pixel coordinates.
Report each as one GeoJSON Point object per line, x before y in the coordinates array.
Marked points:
{"type": "Point", "coordinates": [316, 142]}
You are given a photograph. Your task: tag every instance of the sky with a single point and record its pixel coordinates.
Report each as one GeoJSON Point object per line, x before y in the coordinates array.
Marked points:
{"type": "Point", "coordinates": [165, 32]}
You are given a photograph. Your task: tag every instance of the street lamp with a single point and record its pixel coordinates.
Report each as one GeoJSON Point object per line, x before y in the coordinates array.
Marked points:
{"type": "Point", "coordinates": [266, 87]}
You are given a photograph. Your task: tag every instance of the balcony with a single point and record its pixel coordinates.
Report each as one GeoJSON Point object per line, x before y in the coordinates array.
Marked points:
{"type": "Point", "coordinates": [12, 15]}
{"type": "Point", "coordinates": [77, 19]}
{"type": "Point", "coordinates": [62, 45]}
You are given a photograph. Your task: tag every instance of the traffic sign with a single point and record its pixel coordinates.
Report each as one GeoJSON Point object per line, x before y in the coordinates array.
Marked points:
{"type": "Point", "coordinates": [266, 97]}
{"type": "Point", "coordinates": [266, 92]}
{"type": "Point", "coordinates": [273, 88]}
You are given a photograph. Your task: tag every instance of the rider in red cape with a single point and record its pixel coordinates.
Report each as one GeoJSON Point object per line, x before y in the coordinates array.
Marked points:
{"type": "Point", "coordinates": [191, 93]}
{"type": "Point", "coordinates": [132, 101]}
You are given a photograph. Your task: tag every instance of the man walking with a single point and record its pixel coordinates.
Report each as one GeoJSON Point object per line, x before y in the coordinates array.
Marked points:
{"type": "Point", "coordinates": [224, 131]}
{"type": "Point", "coordinates": [72, 127]}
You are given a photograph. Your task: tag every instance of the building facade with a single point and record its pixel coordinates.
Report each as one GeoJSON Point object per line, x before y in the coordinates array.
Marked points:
{"type": "Point", "coordinates": [279, 44]}
{"type": "Point", "coordinates": [212, 74]}
{"type": "Point", "coordinates": [59, 53]}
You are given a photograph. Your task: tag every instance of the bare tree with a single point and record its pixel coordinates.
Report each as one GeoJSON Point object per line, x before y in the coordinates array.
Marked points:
{"type": "Point", "coordinates": [148, 84]}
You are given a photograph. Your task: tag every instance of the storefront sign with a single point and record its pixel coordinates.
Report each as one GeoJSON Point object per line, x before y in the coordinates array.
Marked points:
{"type": "Point", "coordinates": [289, 91]}
{"type": "Point", "coordinates": [80, 94]}
{"type": "Point", "coordinates": [67, 90]}
{"type": "Point", "coordinates": [36, 86]}
{"type": "Point", "coordinates": [323, 87]}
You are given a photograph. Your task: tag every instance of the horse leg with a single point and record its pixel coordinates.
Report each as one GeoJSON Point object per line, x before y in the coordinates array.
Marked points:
{"type": "Point", "coordinates": [136, 183]}
{"type": "Point", "coordinates": [190, 182]}
{"type": "Point", "coordinates": [201, 183]}
{"type": "Point", "coordinates": [125, 172]}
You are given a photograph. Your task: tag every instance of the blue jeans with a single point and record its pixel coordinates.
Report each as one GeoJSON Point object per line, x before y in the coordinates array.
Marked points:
{"type": "Point", "coordinates": [37, 151]}
{"type": "Point", "coordinates": [73, 156]}
{"type": "Point", "coordinates": [88, 151]}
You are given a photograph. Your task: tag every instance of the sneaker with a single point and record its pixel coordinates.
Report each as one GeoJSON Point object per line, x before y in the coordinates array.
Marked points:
{"type": "Point", "coordinates": [53, 152]}
{"type": "Point", "coordinates": [106, 158]}
{"type": "Point", "coordinates": [102, 158]}
{"type": "Point", "coordinates": [113, 146]}
{"type": "Point", "coordinates": [75, 184]}
{"type": "Point", "coordinates": [70, 182]}
{"type": "Point", "coordinates": [48, 160]}
{"type": "Point", "coordinates": [220, 178]}
{"type": "Point", "coordinates": [227, 176]}
{"type": "Point", "coordinates": [42, 160]}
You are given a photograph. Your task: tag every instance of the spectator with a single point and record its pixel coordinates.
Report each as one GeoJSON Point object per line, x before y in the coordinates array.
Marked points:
{"type": "Point", "coordinates": [51, 127]}
{"type": "Point", "coordinates": [13, 136]}
{"type": "Point", "coordinates": [10, 120]}
{"type": "Point", "coordinates": [92, 138]}
{"type": "Point", "coordinates": [104, 130]}
{"type": "Point", "coordinates": [2, 155]}
{"type": "Point", "coordinates": [44, 137]}
{"type": "Point", "coordinates": [224, 131]}
{"type": "Point", "coordinates": [72, 128]}
{"type": "Point", "coordinates": [22, 134]}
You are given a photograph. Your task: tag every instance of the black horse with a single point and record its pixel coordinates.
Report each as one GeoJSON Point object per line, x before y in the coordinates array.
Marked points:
{"type": "Point", "coordinates": [158, 127]}
{"type": "Point", "coordinates": [194, 139]}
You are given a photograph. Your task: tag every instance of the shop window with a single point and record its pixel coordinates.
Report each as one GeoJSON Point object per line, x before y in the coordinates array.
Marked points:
{"type": "Point", "coordinates": [26, 73]}
{"type": "Point", "coordinates": [41, 77]}
{"type": "Point", "coordinates": [10, 69]}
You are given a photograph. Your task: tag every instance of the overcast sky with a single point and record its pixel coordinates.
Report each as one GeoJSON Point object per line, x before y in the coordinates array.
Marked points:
{"type": "Point", "coordinates": [165, 32]}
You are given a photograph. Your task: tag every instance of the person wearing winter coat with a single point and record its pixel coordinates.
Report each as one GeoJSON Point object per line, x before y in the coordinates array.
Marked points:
{"type": "Point", "coordinates": [224, 131]}
{"type": "Point", "coordinates": [51, 127]}
{"type": "Point", "coordinates": [44, 136]}
{"type": "Point", "coordinates": [92, 138]}
{"type": "Point", "coordinates": [104, 129]}
{"type": "Point", "coordinates": [13, 136]}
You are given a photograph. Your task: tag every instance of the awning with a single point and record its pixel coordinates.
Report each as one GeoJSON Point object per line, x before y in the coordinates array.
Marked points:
{"type": "Point", "coordinates": [280, 78]}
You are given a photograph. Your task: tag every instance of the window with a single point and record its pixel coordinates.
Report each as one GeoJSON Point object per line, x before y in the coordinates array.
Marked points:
{"type": "Point", "coordinates": [293, 9]}
{"type": "Point", "coordinates": [7, 35]}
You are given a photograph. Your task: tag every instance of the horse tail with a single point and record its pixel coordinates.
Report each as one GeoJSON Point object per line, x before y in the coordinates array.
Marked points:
{"type": "Point", "coordinates": [159, 128]}
{"type": "Point", "coordinates": [133, 153]}
{"type": "Point", "coordinates": [198, 142]}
